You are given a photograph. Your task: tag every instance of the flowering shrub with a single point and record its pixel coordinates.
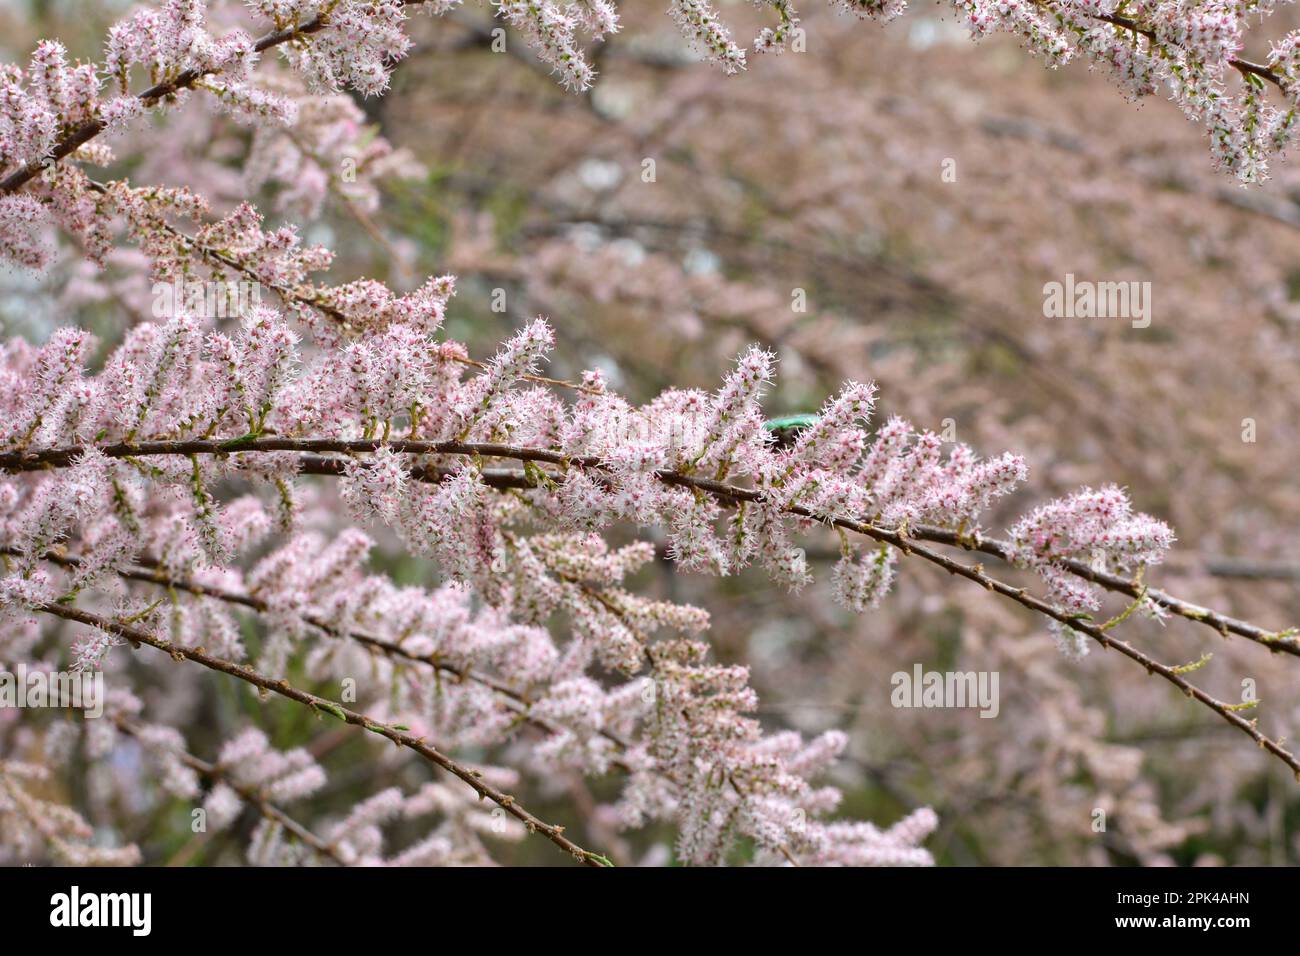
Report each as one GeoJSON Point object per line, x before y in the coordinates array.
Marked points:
{"type": "Point", "coordinates": [171, 492]}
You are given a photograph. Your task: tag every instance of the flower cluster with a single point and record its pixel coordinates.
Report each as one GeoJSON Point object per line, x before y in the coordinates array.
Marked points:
{"type": "Point", "coordinates": [40, 103]}
{"type": "Point", "coordinates": [1098, 528]}
{"type": "Point", "coordinates": [173, 41]}
{"type": "Point", "coordinates": [704, 28]}
{"type": "Point", "coordinates": [1192, 51]}
{"type": "Point", "coordinates": [29, 823]}
{"type": "Point", "coordinates": [254, 766]}
{"type": "Point", "coordinates": [551, 30]}
{"type": "Point", "coordinates": [361, 40]}
{"type": "Point", "coordinates": [606, 460]}
{"type": "Point", "coordinates": [302, 161]}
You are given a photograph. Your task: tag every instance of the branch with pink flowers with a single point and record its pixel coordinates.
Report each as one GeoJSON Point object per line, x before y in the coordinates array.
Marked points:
{"type": "Point", "coordinates": [1278, 641]}
{"type": "Point", "coordinates": [311, 463]}
{"type": "Point", "coordinates": [125, 473]}
{"type": "Point", "coordinates": [233, 54]}
{"type": "Point", "coordinates": [216, 774]}
{"type": "Point", "coordinates": [137, 636]}
{"type": "Point", "coordinates": [518, 702]}
{"type": "Point", "coordinates": [903, 538]}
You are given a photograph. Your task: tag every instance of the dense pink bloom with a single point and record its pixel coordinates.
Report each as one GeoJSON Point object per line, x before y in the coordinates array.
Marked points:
{"type": "Point", "coordinates": [241, 429]}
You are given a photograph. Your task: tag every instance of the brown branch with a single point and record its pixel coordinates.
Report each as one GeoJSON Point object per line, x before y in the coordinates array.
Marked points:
{"type": "Point", "coordinates": [137, 636]}
{"type": "Point", "coordinates": [904, 541]}
{"type": "Point", "coordinates": [1182, 566]}
{"type": "Point", "coordinates": [505, 478]}
{"type": "Point", "coordinates": [1240, 65]}
{"type": "Point", "coordinates": [1286, 642]}
{"type": "Point", "coordinates": [250, 795]}
{"type": "Point", "coordinates": [184, 80]}
{"type": "Point", "coordinates": [517, 701]}
{"type": "Point", "coordinates": [16, 461]}
{"type": "Point", "coordinates": [1133, 26]}
{"type": "Point", "coordinates": [310, 298]}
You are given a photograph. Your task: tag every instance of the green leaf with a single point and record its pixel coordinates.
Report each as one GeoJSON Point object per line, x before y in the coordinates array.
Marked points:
{"type": "Point", "coordinates": [334, 709]}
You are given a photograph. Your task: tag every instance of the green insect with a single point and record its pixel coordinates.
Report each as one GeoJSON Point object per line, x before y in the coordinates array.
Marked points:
{"type": "Point", "coordinates": [786, 430]}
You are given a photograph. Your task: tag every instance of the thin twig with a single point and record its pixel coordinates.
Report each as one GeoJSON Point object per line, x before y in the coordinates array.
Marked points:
{"type": "Point", "coordinates": [137, 636]}
{"type": "Point", "coordinates": [308, 297]}
{"type": "Point", "coordinates": [217, 774]}
{"type": "Point", "coordinates": [516, 701]}
{"type": "Point", "coordinates": [1275, 641]}
{"type": "Point", "coordinates": [184, 80]}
